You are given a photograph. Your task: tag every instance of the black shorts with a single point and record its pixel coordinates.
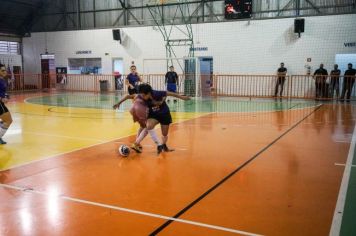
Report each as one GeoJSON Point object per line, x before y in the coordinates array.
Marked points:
{"type": "Point", "coordinates": [3, 108]}
{"type": "Point", "coordinates": [162, 118]}
{"type": "Point", "coordinates": [132, 91]}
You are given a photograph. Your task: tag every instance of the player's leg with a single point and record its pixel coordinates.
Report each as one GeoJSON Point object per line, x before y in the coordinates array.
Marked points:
{"type": "Point", "coordinates": [151, 124]}
{"type": "Point", "coordinates": [141, 135]}
{"type": "Point", "coordinates": [165, 130]}
{"type": "Point", "coordinates": [139, 114]}
{"type": "Point", "coordinates": [165, 120]}
{"type": "Point", "coordinates": [6, 121]}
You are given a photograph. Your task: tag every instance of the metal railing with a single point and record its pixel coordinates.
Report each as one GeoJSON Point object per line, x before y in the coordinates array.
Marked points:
{"type": "Point", "coordinates": [294, 86]}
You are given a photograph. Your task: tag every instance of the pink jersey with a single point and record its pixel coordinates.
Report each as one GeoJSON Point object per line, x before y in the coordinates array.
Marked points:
{"type": "Point", "coordinates": [139, 110]}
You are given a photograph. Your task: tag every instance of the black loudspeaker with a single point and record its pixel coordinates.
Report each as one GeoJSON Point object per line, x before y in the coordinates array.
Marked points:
{"type": "Point", "coordinates": [116, 34]}
{"type": "Point", "coordinates": [299, 25]}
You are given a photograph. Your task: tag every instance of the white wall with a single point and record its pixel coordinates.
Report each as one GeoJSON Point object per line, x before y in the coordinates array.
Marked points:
{"type": "Point", "coordinates": [239, 47]}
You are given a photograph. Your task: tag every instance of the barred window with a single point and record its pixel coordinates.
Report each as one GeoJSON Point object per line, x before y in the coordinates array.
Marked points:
{"type": "Point", "coordinates": [7, 47]}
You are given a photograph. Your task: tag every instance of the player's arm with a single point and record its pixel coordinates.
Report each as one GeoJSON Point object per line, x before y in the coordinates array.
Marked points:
{"type": "Point", "coordinates": [139, 77]}
{"type": "Point", "coordinates": [183, 97]}
{"type": "Point", "coordinates": [127, 83]}
{"type": "Point", "coordinates": [117, 105]}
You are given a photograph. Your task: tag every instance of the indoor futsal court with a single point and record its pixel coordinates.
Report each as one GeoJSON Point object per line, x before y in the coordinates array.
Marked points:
{"type": "Point", "coordinates": [177, 117]}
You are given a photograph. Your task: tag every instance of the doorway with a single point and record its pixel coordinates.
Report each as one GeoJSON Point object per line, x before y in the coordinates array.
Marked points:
{"type": "Point", "coordinates": [48, 70]}
{"type": "Point", "coordinates": [118, 70]}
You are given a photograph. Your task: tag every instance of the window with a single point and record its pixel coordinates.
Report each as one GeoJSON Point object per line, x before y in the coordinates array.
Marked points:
{"type": "Point", "coordinates": [9, 48]}
{"type": "Point", "coordinates": [84, 65]}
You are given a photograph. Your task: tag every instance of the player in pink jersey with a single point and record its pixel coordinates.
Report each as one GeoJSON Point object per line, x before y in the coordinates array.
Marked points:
{"type": "Point", "coordinates": [139, 112]}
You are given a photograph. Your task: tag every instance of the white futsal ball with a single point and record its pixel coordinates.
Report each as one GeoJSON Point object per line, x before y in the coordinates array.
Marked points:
{"type": "Point", "coordinates": [124, 150]}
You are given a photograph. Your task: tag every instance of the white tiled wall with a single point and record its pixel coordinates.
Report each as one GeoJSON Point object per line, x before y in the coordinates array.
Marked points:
{"type": "Point", "coordinates": [239, 47]}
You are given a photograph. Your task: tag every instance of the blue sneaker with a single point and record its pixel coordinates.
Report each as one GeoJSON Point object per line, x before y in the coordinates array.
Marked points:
{"type": "Point", "coordinates": [2, 141]}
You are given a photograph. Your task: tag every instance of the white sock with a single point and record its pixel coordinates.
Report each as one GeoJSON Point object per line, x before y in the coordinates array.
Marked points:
{"type": "Point", "coordinates": [164, 139]}
{"type": "Point", "coordinates": [154, 137]}
{"type": "Point", "coordinates": [2, 131]}
{"type": "Point", "coordinates": [142, 135]}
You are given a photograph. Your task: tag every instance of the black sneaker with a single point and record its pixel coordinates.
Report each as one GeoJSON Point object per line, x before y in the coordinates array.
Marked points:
{"type": "Point", "coordinates": [2, 141]}
{"type": "Point", "coordinates": [166, 149]}
{"type": "Point", "coordinates": [159, 149]}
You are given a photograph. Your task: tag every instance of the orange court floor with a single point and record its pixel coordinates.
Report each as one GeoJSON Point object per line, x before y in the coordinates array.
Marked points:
{"type": "Point", "coordinates": [240, 167]}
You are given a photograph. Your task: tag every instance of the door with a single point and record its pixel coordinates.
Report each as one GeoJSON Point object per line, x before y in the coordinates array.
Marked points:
{"type": "Point", "coordinates": [118, 70]}
{"type": "Point", "coordinates": [45, 73]}
{"type": "Point", "coordinates": [206, 73]}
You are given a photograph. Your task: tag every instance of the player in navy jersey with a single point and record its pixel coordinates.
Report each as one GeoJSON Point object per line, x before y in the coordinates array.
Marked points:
{"type": "Point", "coordinates": [5, 115]}
{"type": "Point", "coordinates": [171, 81]}
{"type": "Point", "coordinates": [158, 114]}
{"type": "Point", "coordinates": [132, 80]}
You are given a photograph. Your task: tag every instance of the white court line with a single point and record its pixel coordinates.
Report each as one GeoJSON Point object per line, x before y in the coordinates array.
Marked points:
{"type": "Point", "coordinates": [340, 164]}
{"type": "Point", "coordinates": [129, 210]}
{"type": "Point", "coordinates": [82, 148]}
{"type": "Point", "coordinates": [340, 204]}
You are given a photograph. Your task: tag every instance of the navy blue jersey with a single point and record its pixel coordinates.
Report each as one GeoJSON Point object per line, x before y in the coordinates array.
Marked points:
{"type": "Point", "coordinates": [3, 86]}
{"type": "Point", "coordinates": [350, 72]}
{"type": "Point", "coordinates": [133, 79]}
{"type": "Point", "coordinates": [171, 77]}
{"type": "Point", "coordinates": [158, 96]}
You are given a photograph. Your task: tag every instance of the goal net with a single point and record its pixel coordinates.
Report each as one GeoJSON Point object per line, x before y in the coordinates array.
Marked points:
{"type": "Point", "coordinates": [191, 81]}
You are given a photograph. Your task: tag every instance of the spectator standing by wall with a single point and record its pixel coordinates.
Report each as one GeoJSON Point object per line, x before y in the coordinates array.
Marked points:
{"type": "Point", "coordinates": [320, 76]}
{"type": "Point", "coordinates": [349, 80]}
{"type": "Point", "coordinates": [335, 81]}
{"type": "Point", "coordinates": [281, 78]}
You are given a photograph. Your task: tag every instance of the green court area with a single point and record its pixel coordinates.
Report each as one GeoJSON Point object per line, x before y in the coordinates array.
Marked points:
{"type": "Point", "coordinates": [106, 101]}
{"type": "Point", "coordinates": [348, 226]}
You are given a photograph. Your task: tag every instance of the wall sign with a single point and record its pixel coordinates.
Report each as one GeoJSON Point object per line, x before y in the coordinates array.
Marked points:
{"type": "Point", "coordinates": [83, 52]}
{"type": "Point", "coordinates": [199, 49]}
{"type": "Point", "coordinates": [350, 44]}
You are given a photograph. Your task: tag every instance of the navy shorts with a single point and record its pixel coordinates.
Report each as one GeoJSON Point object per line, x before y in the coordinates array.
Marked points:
{"type": "Point", "coordinates": [132, 91]}
{"type": "Point", "coordinates": [162, 118]}
{"type": "Point", "coordinates": [171, 87]}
